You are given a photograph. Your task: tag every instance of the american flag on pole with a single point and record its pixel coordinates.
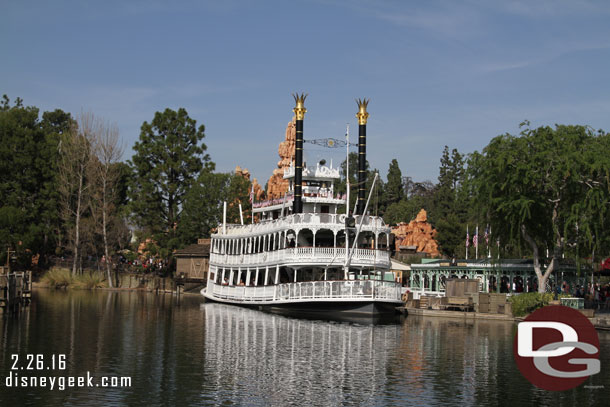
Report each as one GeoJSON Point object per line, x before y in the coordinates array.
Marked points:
{"type": "Point", "coordinates": [475, 242]}
{"type": "Point", "coordinates": [467, 237]}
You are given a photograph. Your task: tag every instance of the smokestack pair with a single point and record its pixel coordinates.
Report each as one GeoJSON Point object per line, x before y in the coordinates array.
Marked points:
{"type": "Point", "coordinates": [362, 116]}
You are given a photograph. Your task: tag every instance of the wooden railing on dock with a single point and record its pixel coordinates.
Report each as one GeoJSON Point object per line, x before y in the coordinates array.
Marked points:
{"type": "Point", "coordinates": [15, 289]}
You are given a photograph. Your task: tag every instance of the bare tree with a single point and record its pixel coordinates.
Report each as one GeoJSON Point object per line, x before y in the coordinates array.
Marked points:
{"type": "Point", "coordinates": [74, 162]}
{"type": "Point", "coordinates": [107, 151]}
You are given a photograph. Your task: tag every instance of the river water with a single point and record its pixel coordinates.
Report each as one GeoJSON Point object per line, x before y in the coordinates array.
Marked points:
{"type": "Point", "coordinates": [191, 353]}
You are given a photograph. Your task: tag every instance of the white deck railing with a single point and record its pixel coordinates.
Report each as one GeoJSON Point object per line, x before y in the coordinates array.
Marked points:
{"type": "Point", "coordinates": [305, 220]}
{"type": "Point", "coordinates": [311, 290]}
{"type": "Point", "coordinates": [331, 256]}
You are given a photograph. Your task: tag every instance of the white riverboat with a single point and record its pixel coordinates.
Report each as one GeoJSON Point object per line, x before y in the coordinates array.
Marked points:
{"type": "Point", "coordinates": [302, 257]}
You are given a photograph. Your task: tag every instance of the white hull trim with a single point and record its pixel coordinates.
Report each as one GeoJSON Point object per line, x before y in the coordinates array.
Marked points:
{"type": "Point", "coordinates": [354, 291]}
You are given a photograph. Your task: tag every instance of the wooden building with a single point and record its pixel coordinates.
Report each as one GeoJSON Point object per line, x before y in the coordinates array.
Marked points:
{"type": "Point", "coordinates": [193, 261]}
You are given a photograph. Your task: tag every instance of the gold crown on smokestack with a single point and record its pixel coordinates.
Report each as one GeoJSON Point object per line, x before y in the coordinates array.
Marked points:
{"type": "Point", "coordinates": [362, 114]}
{"type": "Point", "coordinates": [299, 109]}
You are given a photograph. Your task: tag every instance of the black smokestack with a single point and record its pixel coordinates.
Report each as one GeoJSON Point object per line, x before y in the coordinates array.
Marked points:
{"type": "Point", "coordinates": [299, 112]}
{"type": "Point", "coordinates": [362, 116]}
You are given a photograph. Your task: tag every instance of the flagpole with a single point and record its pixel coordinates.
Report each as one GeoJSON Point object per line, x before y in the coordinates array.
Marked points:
{"type": "Point", "coordinates": [487, 241]}
{"type": "Point", "coordinates": [467, 241]}
{"type": "Point", "coordinates": [347, 197]}
{"type": "Point", "coordinates": [347, 169]}
{"type": "Point", "coordinates": [476, 245]}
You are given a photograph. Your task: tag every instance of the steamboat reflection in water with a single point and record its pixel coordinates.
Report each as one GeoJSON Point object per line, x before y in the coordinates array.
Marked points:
{"type": "Point", "coordinates": [282, 360]}
{"type": "Point", "coordinates": [264, 358]}
{"type": "Point", "coordinates": [190, 353]}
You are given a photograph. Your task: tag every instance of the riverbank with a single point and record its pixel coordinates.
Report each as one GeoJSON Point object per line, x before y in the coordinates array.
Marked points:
{"type": "Point", "coordinates": [62, 278]}
{"type": "Point", "coordinates": [599, 321]}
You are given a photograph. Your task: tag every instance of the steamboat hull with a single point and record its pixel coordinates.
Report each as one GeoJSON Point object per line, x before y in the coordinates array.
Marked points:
{"type": "Point", "coordinates": [357, 311]}
{"type": "Point", "coordinates": [373, 311]}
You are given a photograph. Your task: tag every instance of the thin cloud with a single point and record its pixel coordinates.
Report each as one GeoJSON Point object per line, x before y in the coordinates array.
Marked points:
{"type": "Point", "coordinates": [443, 18]}
{"type": "Point", "coordinates": [544, 55]}
{"type": "Point", "coordinates": [508, 66]}
{"type": "Point", "coordinates": [450, 21]}
{"type": "Point", "coordinates": [549, 8]}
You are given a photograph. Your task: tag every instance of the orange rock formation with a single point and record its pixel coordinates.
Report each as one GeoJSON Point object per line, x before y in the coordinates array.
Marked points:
{"type": "Point", "coordinates": [259, 193]}
{"type": "Point", "coordinates": [417, 233]}
{"type": "Point", "coordinates": [277, 185]}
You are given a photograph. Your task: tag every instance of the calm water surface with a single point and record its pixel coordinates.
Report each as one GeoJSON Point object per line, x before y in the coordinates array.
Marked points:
{"type": "Point", "coordinates": [190, 353]}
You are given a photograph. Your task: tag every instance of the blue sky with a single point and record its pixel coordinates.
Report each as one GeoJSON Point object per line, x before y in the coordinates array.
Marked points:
{"type": "Point", "coordinates": [437, 72]}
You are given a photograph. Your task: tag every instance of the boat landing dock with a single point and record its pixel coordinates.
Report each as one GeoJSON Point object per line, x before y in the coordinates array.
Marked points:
{"type": "Point", "coordinates": [15, 289]}
{"type": "Point", "coordinates": [457, 314]}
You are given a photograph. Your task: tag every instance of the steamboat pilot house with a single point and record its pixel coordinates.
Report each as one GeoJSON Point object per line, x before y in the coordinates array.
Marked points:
{"type": "Point", "coordinates": [300, 255]}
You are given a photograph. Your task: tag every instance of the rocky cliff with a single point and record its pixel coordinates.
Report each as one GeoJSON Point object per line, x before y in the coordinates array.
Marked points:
{"type": "Point", "coordinates": [277, 185]}
{"type": "Point", "coordinates": [418, 233]}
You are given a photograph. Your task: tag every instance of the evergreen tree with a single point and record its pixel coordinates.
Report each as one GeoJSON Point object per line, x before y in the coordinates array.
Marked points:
{"type": "Point", "coordinates": [168, 160]}
{"type": "Point", "coordinates": [419, 197]}
{"type": "Point", "coordinates": [379, 202]}
{"type": "Point", "coordinates": [29, 219]}
{"type": "Point", "coordinates": [405, 210]}
{"type": "Point", "coordinates": [448, 212]}
{"type": "Point", "coordinates": [203, 204]}
{"type": "Point", "coordinates": [394, 186]}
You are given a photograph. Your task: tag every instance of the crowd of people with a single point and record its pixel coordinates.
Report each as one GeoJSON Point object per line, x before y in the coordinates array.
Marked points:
{"type": "Point", "coordinates": [596, 296]}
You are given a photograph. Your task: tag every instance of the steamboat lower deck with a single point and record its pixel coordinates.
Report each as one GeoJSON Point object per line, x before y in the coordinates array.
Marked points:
{"type": "Point", "coordinates": [315, 299]}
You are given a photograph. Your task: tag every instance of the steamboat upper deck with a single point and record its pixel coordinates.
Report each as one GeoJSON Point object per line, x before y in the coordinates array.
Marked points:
{"type": "Point", "coordinates": [304, 238]}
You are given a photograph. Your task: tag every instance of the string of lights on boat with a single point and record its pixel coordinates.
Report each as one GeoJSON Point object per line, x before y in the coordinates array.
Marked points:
{"type": "Point", "coordinates": [330, 142]}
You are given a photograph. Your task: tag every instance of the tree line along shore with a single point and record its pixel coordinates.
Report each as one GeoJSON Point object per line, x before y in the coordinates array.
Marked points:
{"type": "Point", "coordinates": [67, 193]}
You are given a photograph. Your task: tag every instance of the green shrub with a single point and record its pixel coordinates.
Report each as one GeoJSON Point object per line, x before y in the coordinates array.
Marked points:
{"type": "Point", "coordinates": [526, 303]}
